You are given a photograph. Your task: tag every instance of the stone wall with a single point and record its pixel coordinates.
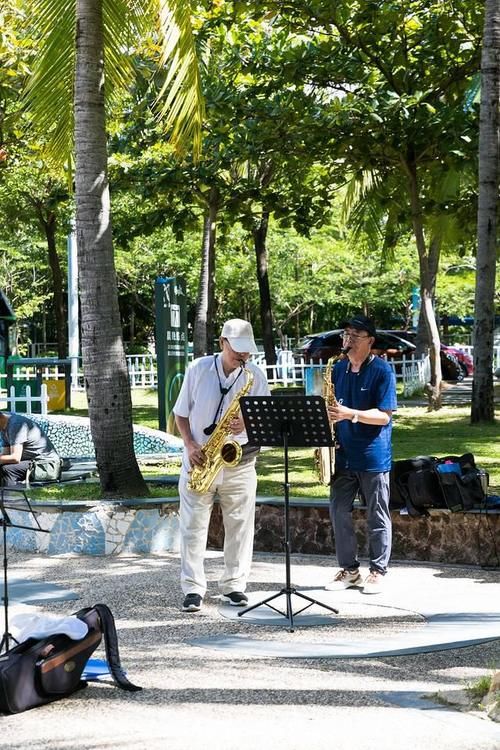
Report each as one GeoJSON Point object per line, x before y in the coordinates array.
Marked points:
{"type": "Point", "coordinates": [152, 527]}
{"type": "Point", "coordinates": [471, 538]}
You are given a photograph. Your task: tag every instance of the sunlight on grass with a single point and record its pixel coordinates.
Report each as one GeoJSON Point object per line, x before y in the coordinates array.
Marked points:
{"type": "Point", "coordinates": [417, 432]}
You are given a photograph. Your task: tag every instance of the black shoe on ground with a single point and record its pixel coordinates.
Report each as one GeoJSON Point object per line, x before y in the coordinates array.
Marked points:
{"type": "Point", "coordinates": [236, 599]}
{"type": "Point", "coordinates": [192, 603]}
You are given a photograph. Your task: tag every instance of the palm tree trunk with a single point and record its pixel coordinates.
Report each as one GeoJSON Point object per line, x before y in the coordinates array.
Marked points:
{"type": "Point", "coordinates": [266, 313]}
{"type": "Point", "coordinates": [483, 409]}
{"type": "Point", "coordinates": [104, 362]}
{"type": "Point", "coordinates": [203, 333]}
{"type": "Point", "coordinates": [433, 388]}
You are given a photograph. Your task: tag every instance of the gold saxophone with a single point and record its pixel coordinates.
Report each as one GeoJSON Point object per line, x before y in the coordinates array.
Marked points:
{"type": "Point", "coordinates": [324, 457]}
{"type": "Point", "coordinates": [219, 451]}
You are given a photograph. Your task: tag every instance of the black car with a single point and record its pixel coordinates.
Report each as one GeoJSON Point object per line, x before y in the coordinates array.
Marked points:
{"type": "Point", "coordinates": [319, 347]}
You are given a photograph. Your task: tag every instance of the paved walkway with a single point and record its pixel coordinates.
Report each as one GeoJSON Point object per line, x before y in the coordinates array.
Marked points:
{"type": "Point", "coordinates": [454, 394]}
{"type": "Point", "coordinates": [217, 699]}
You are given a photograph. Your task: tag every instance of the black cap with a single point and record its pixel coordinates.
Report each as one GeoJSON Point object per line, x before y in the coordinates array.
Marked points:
{"type": "Point", "coordinates": [362, 323]}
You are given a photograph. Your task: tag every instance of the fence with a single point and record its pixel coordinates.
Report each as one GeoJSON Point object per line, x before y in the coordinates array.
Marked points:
{"type": "Point", "coordinates": [9, 402]}
{"type": "Point", "coordinates": [289, 371]}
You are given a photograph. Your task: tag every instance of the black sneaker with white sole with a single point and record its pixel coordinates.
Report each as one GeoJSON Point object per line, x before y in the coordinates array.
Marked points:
{"type": "Point", "coordinates": [236, 599]}
{"type": "Point", "coordinates": [192, 603]}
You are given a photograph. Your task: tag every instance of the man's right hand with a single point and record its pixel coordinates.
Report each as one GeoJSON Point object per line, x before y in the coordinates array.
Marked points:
{"type": "Point", "coordinates": [195, 454]}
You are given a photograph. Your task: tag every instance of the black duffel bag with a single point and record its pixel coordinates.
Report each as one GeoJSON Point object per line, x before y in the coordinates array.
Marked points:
{"type": "Point", "coordinates": [425, 482]}
{"type": "Point", "coordinates": [43, 670]}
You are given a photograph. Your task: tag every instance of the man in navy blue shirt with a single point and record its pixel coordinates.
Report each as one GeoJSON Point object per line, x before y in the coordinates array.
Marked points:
{"type": "Point", "coordinates": [365, 392]}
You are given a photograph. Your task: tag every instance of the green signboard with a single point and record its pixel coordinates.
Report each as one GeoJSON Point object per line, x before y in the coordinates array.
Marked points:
{"type": "Point", "coordinates": [171, 345]}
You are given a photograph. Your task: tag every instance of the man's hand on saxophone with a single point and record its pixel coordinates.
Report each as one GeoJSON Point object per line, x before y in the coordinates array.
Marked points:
{"type": "Point", "coordinates": [337, 412]}
{"type": "Point", "coordinates": [237, 425]}
{"type": "Point", "coordinates": [195, 454]}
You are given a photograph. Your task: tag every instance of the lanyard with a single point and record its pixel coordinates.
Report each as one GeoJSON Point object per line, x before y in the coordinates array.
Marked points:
{"type": "Point", "coordinates": [223, 391]}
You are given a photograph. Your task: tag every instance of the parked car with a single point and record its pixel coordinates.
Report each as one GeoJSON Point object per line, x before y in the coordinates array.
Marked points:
{"type": "Point", "coordinates": [464, 360]}
{"type": "Point", "coordinates": [319, 347]}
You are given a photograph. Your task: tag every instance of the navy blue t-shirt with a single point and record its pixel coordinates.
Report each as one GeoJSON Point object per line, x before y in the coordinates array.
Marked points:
{"type": "Point", "coordinates": [364, 447]}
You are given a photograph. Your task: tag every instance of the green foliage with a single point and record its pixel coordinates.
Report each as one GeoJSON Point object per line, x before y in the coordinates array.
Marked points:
{"type": "Point", "coordinates": [49, 93]}
{"type": "Point", "coordinates": [294, 110]}
{"type": "Point", "coordinates": [478, 689]}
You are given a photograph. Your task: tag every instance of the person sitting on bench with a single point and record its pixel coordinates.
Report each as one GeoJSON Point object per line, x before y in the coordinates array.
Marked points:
{"type": "Point", "coordinates": [23, 445]}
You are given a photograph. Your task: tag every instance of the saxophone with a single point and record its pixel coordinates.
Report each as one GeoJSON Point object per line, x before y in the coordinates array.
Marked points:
{"type": "Point", "coordinates": [219, 451]}
{"type": "Point", "coordinates": [324, 458]}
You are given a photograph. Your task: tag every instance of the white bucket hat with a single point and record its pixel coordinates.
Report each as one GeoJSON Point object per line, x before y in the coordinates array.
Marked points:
{"type": "Point", "coordinates": [239, 333]}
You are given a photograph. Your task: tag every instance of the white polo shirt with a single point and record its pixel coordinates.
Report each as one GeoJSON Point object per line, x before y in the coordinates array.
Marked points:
{"type": "Point", "coordinates": [200, 395]}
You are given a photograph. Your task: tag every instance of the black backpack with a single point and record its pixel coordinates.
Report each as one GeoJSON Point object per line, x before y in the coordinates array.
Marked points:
{"type": "Point", "coordinates": [424, 482]}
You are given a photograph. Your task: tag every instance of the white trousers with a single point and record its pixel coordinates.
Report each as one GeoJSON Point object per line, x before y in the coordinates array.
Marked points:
{"type": "Point", "coordinates": [236, 488]}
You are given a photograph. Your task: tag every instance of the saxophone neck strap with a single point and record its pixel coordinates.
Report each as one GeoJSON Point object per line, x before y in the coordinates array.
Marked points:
{"type": "Point", "coordinates": [223, 392]}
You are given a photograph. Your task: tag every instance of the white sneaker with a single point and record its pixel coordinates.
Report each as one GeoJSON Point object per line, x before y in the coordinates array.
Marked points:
{"type": "Point", "coordinates": [373, 583]}
{"type": "Point", "coordinates": [345, 579]}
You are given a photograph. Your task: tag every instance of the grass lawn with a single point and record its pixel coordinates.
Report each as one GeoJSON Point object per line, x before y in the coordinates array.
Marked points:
{"type": "Point", "coordinates": [416, 433]}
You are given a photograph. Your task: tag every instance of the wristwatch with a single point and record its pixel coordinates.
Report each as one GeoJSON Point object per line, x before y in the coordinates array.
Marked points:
{"type": "Point", "coordinates": [355, 417]}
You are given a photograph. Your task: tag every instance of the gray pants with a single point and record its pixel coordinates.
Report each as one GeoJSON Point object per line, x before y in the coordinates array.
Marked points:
{"type": "Point", "coordinates": [374, 488]}
{"type": "Point", "coordinates": [12, 474]}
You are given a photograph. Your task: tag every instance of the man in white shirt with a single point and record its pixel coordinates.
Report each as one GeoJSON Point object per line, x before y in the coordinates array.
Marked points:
{"type": "Point", "coordinates": [210, 386]}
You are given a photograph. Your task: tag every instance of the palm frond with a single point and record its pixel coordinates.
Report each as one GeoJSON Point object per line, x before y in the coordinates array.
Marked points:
{"type": "Point", "coordinates": [360, 183]}
{"type": "Point", "coordinates": [362, 208]}
{"type": "Point", "coordinates": [49, 92]}
{"type": "Point", "coordinates": [367, 218]}
{"type": "Point", "coordinates": [48, 96]}
{"type": "Point", "coordinates": [180, 98]}
{"type": "Point", "coordinates": [123, 22]}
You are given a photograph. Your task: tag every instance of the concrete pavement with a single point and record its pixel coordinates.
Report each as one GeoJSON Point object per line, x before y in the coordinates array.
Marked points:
{"type": "Point", "coordinates": [222, 699]}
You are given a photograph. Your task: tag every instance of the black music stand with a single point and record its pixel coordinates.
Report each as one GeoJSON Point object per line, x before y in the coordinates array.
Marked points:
{"type": "Point", "coordinates": [299, 421]}
{"type": "Point", "coordinates": [6, 504]}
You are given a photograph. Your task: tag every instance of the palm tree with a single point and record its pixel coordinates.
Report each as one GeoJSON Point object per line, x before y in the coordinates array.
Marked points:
{"type": "Point", "coordinates": [483, 409]}
{"type": "Point", "coordinates": [83, 50]}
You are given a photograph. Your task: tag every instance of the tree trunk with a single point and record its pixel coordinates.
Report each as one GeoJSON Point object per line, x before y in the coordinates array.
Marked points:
{"type": "Point", "coordinates": [266, 313]}
{"type": "Point", "coordinates": [104, 362]}
{"type": "Point", "coordinates": [203, 333]}
{"type": "Point", "coordinates": [433, 388]}
{"type": "Point", "coordinates": [483, 408]}
{"type": "Point", "coordinates": [422, 341]}
{"type": "Point", "coordinates": [49, 227]}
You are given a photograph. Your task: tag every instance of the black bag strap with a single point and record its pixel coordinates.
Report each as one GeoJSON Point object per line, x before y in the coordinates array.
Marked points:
{"type": "Point", "coordinates": [111, 646]}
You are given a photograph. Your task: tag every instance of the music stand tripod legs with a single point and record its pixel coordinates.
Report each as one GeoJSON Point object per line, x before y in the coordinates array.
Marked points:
{"type": "Point", "coordinates": [288, 590]}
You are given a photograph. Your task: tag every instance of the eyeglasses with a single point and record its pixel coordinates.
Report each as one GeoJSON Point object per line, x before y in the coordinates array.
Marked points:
{"type": "Point", "coordinates": [353, 336]}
